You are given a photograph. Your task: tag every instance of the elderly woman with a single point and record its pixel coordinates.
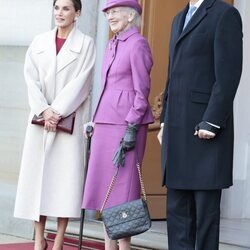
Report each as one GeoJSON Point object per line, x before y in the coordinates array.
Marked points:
{"type": "Point", "coordinates": [122, 113]}
{"type": "Point", "coordinates": [57, 71]}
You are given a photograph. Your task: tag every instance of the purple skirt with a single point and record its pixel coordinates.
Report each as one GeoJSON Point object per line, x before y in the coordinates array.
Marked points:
{"type": "Point", "coordinates": [105, 141]}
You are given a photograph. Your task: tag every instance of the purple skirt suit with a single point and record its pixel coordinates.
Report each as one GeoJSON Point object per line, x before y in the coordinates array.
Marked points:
{"type": "Point", "coordinates": [124, 99]}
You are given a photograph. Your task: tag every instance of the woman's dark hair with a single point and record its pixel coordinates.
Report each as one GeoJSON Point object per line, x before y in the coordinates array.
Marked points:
{"type": "Point", "coordinates": [77, 4]}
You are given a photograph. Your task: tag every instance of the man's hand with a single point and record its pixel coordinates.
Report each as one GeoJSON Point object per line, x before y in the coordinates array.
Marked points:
{"type": "Point", "coordinates": [204, 134]}
{"type": "Point", "coordinates": [205, 130]}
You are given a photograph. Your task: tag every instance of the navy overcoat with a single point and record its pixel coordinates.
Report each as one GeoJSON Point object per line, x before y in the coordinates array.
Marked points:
{"type": "Point", "coordinates": [205, 66]}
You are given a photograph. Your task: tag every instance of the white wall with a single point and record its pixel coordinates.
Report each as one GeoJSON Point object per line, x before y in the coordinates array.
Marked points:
{"type": "Point", "coordinates": [236, 200]}
{"type": "Point", "coordinates": [22, 20]}
{"type": "Point", "coordinates": [13, 119]}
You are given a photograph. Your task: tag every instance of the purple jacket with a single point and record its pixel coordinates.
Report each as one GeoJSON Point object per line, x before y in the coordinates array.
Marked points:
{"type": "Point", "coordinates": [126, 81]}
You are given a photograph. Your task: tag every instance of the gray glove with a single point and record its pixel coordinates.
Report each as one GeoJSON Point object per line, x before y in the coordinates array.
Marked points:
{"type": "Point", "coordinates": [126, 144]}
{"type": "Point", "coordinates": [119, 157]}
{"type": "Point", "coordinates": [129, 139]}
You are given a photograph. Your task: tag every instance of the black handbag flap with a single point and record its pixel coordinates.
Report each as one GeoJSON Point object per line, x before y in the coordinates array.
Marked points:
{"type": "Point", "coordinates": [125, 212]}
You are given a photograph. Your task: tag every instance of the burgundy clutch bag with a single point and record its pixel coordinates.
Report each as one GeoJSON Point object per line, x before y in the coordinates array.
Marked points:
{"type": "Point", "coordinates": [66, 124]}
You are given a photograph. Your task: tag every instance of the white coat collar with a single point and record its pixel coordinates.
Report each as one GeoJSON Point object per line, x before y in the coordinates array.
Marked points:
{"type": "Point", "coordinates": [68, 53]}
{"type": "Point", "coordinates": [71, 49]}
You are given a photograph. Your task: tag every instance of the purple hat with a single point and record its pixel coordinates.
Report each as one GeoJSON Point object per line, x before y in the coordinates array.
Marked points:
{"type": "Point", "coordinates": [126, 3]}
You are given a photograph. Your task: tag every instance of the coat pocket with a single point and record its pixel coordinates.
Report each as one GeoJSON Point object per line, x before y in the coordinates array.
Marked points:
{"type": "Point", "coordinates": [200, 96]}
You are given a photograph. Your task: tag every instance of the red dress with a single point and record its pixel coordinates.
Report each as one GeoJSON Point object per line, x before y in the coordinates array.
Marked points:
{"type": "Point", "coordinates": [59, 44]}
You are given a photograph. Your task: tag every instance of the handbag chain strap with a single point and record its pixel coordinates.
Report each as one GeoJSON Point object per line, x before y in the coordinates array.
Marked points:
{"type": "Point", "coordinates": [111, 186]}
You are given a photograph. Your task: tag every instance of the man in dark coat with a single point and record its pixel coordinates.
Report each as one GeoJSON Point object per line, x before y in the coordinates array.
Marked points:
{"type": "Point", "coordinates": [205, 65]}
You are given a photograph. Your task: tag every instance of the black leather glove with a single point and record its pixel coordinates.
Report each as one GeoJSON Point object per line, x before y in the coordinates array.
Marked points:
{"type": "Point", "coordinates": [119, 157]}
{"type": "Point", "coordinates": [126, 144]}
{"type": "Point", "coordinates": [204, 125]}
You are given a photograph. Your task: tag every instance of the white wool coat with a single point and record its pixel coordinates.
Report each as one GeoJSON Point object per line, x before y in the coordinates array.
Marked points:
{"type": "Point", "coordinates": [52, 167]}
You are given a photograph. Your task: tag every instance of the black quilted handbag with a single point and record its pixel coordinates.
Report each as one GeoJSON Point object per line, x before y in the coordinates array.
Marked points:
{"type": "Point", "coordinates": [128, 219]}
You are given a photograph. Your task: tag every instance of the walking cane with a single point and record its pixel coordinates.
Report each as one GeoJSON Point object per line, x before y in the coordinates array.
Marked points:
{"type": "Point", "coordinates": [89, 130]}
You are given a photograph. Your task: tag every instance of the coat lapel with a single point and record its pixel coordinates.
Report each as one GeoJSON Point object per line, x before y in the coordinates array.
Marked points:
{"type": "Point", "coordinates": [70, 50]}
{"type": "Point", "coordinates": [199, 15]}
{"type": "Point", "coordinates": [112, 49]}
{"type": "Point", "coordinates": [46, 51]}
{"type": "Point", "coordinates": [109, 56]}
{"type": "Point", "coordinates": [181, 21]}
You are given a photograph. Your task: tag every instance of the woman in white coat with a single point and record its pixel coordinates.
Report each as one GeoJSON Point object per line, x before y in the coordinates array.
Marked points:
{"type": "Point", "coordinates": [57, 71]}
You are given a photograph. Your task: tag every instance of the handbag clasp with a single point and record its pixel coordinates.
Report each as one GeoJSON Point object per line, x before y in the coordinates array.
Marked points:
{"type": "Point", "coordinates": [124, 215]}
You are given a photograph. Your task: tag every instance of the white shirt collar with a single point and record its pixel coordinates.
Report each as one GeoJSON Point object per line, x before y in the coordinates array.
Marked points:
{"type": "Point", "coordinates": [197, 5]}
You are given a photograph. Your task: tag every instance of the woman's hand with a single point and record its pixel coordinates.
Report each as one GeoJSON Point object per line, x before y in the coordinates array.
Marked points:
{"type": "Point", "coordinates": [129, 139]}
{"type": "Point", "coordinates": [50, 127]}
{"type": "Point", "coordinates": [88, 129]}
{"type": "Point", "coordinates": [51, 119]}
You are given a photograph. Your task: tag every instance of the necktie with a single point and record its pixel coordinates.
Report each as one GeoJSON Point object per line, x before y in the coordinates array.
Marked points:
{"type": "Point", "coordinates": [189, 15]}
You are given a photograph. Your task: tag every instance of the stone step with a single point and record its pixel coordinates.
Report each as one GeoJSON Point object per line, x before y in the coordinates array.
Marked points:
{"type": "Point", "coordinates": [234, 234]}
